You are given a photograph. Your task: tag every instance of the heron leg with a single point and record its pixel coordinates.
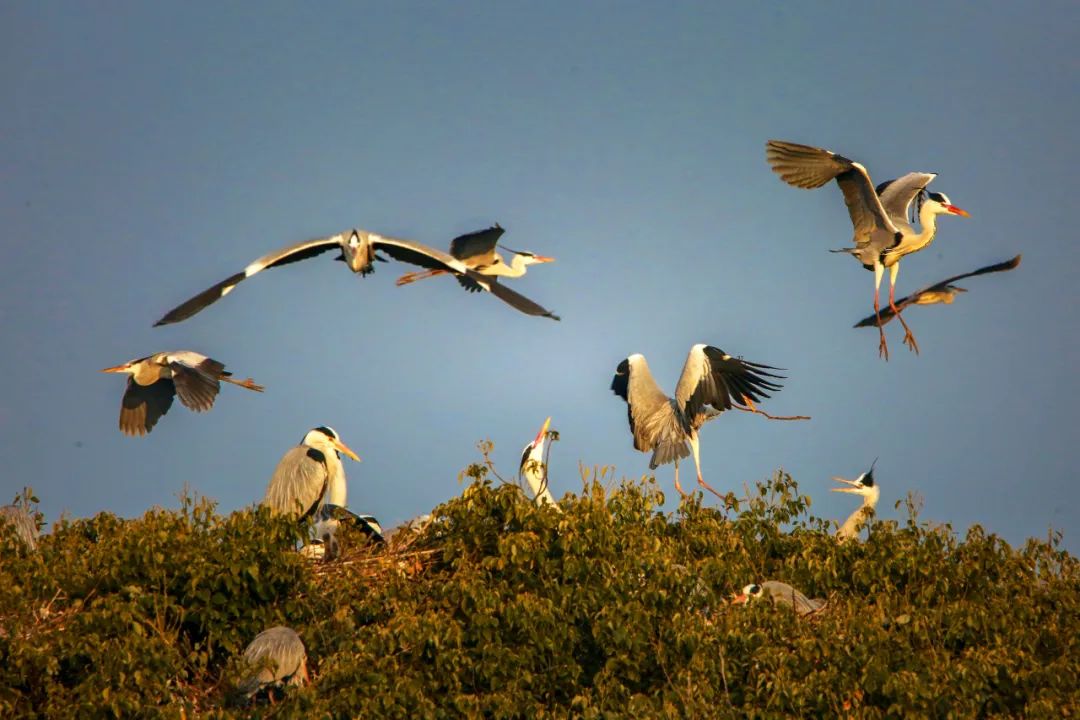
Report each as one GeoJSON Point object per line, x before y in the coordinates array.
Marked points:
{"type": "Point", "coordinates": [883, 346]}
{"type": "Point", "coordinates": [677, 485]}
{"type": "Point", "coordinates": [420, 275]}
{"type": "Point", "coordinates": [697, 463]}
{"type": "Point", "coordinates": [909, 338]}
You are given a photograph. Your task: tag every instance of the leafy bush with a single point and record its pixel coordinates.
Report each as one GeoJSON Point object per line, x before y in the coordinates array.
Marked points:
{"type": "Point", "coordinates": [502, 608]}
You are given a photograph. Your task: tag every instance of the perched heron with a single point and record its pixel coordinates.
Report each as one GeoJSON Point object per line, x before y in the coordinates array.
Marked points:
{"type": "Point", "coordinates": [274, 658]}
{"type": "Point", "coordinates": [310, 475]}
{"type": "Point", "coordinates": [864, 486]}
{"type": "Point", "coordinates": [155, 379]}
{"type": "Point", "coordinates": [22, 523]}
{"type": "Point", "coordinates": [940, 292]}
{"type": "Point", "coordinates": [328, 518]}
{"type": "Point", "coordinates": [665, 425]}
{"type": "Point", "coordinates": [883, 234]}
{"type": "Point", "coordinates": [781, 594]}
{"type": "Point", "coordinates": [534, 469]}
{"type": "Point", "coordinates": [358, 250]}
{"type": "Point", "coordinates": [477, 251]}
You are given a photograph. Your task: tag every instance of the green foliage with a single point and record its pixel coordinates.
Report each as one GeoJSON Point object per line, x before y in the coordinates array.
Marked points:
{"type": "Point", "coordinates": [502, 608]}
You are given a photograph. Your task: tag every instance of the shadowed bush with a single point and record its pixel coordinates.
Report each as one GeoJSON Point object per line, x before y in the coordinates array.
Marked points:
{"type": "Point", "coordinates": [501, 608]}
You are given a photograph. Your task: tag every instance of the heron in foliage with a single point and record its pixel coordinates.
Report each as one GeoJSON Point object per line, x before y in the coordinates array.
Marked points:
{"type": "Point", "coordinates": [940, 292]}
{"type": "Point", "coordinates": [275, 658]}
{"type": "Point", "coordinates": [781, 594]}
{"type": "Point", "coordinates": [883, 234]}
{"type": "Point", "coordinates": [154, 380]}
{"type": "Point", "coordinates": [534, 469]}
{"type": "Point", "coordinates": [358, 250]}
{"type": "Point", "coordinates": [711, 382]}
{"type": "Point", "coordinates": [865, 487]}
{"type": "Point", "coordinates": [22, 523]}
{"type": "Point", "coordinates": [477, 251]}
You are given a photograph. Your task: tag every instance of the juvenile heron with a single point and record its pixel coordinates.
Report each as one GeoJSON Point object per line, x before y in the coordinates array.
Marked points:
{"type": "Point", "coordinates": [781, 594]}
{"type": "Point", "coordinates": [534, 469]}
{"type": "Point", "coordinates": [883, 234]}
{"type": "Point", "coordinates": [477, 251]}
{"type": "Point", "coordinates": [155, 379]}
{"type": "Point", "coordinates": [328, 518]}
{"type": "Point", "coordinates": [940, 292]}
{"type": "Point", "coordinates": [22, 523]}
{"type": "Point", "coordinates": [358, 250]}
{"type": "Point", "coordinates": [711, 382]}
{"type": "Point", "coordinates": [865, 487]}
{"type": "Point", "coordinates": [309, 475]}
{"type": "Point", "coordinates": [274, 658]}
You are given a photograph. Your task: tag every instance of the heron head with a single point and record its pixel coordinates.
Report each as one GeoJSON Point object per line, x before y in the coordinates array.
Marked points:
{"type": "Point", "coordinates": [750, 592]}
{"type": "Point", "coordinates": [127, 367]}
{"type": "Point", "coordinates": [863, 485]}
{"type": "Point", "coordinates": [358, 250]}
{"type": "Point", "coordinates": [939, 204]}
{"type": "Point", "coordinates": [529, 258]}
{"type": "Point", "coordinates": [326, 438]}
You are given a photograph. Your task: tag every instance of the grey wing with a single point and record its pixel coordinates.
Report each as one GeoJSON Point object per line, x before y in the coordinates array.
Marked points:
{"type": "Point", "coordinates": [476, 244]}
{"type": "Point", "coordinates": [887, 314]}
{"type": "Point", "coordinates": [298, 482]}
{"type": "Point", "coordinates": [810, 167]}
{"type": "Point", "coordinates": [653, 421]}
{"type": "Point", "coordinates": [896, 196]}
{"type": "Point", "coordinates": [284, 256]}
{"type": "Point", "coordinates": [511, 297]}
{"type": "Point", "coordinates": [416, 253]}
{"type": "Point", "coordinates": [143, 405]}
{"type": "Point", "coordinates": [196, 380]}
{"type": "Point", "coordinates": [712, 377]}
{"type": "Point", "coordinates": [24, 525]}
{"type": "Point", "coordinates": [784, 594]}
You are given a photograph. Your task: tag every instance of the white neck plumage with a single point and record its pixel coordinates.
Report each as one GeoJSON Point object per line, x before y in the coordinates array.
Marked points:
{"type": "Point", "coordinates": [336, 490]}
{"type": "Point", "coordinates": [855, 522]}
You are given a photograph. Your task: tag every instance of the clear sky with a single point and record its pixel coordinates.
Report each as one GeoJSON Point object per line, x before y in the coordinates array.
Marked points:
{"type": "Point", "coordinates": [150, 150]}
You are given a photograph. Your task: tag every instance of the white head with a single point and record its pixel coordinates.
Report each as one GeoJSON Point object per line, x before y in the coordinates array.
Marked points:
{"type": "Point", "coordinates": [752, 591]}
{"type": "Point", "coordinates": [326, 439]}
{"type": "Point", "coordinates": [863, 485]}
{"type": "Point", "coordinates": [524, 257]}
{"type": "Point", "coordinates": [939, 204]}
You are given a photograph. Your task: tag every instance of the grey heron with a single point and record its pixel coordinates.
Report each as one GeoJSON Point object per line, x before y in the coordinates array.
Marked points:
{"type": "Point", "coordinates": [781, 594]}
{"type": "Point", "coordinates": [711, 382]}
{"type": "Point", "coordinates": [22, 523]}
{"type": "Point", "coordinates": [940, 292]}
{"type": "Point", "coordinates": [534, 469]}
{"type": "Point", "coordinates": [883, 234]}
{"type": "Point", "coordinates": [358, 250]}
{"type": "Point", "coordinates": [477, 251]}
{"type": "Point", "coordinates": [865, 487]}
{"type": "Point", "coordinates": [154, 380]}
{"type": "Point", "coordinates": [310, 475]}
{"type": "Point", "coordinates": [328, 518]}
{"type": "Point", "coordinates": [274, 658]}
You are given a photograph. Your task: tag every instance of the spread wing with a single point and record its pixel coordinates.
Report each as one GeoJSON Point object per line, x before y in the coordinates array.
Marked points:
{"type": "Point", "coordinates": [941, 287]}
{"type": "Point", "coordinates": [284, 256]}
{"type": "Point", "coordinates": [810, 167]}
{"type": "Point", "coordinates": [479, 245]}
{"type": "Point", "coordinates": [896, 196]}
{"type": "Point", "coordinates": [197, 384]}
{"type": "Point", "coordinates": [653, 421]}
{"type": "Point", "coordinates": [143, 405]}
{"type": "Point", "coordinates": [511, 297]}
{"type": "Point", "coordinates": [299, 480]}
{"type": "Point", "coordinates": [712, 377]}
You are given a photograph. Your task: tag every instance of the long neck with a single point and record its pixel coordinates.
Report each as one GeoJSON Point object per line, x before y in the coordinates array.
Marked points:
{"type": "Point", "coordinates": [851, 527]}
{"type": "Point", "coordinates": [516, 268]}
{"type": "Point", "coordinates": [928, 225]}
{"type": "Point", "coordinates": [336, 489]}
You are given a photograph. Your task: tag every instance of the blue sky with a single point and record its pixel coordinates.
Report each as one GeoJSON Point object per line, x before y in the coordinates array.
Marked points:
{"type": "Point", "coordinates": [152, 150]}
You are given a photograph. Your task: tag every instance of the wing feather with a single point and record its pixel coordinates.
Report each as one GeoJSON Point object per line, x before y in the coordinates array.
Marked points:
{"type": "Point", "coordinates": [143, 405]}
{"type": "Point", "coordinates": [298, 482]}
{"type": "Point", "coordinates": [197, 388]}
{"type": "Point", "coordinates": [476, 244]}
{"type": "Point", "coordinates": [653, 420]}
{"type": "Point", "coordinates": [896, 196]}
{"type": "Point", "coordinates": [714, 378]}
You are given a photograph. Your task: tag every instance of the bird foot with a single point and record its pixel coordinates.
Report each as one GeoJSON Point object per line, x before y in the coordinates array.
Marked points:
{"type": "Point", "coordinates": [708, 487]}
{"type": "Point", "coordinates": [251, 385]}
{"type": "Point", "coordinates": [405, 279]}
{"type": "Point", "coordinates": [909, 340]}
{"type": "Point", "coordinates": [883, 347]}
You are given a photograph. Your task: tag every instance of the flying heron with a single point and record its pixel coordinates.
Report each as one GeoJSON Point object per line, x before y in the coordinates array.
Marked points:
{"type": "Point", "coordinates": [358, 250]}
{"type": "Point", "coordinates": [665, 425]}
{"type": "Point", "coordinates": [534, 469]}
{"type": "Point", "coordinates": [155, 379]}
{"type": "Point", "coordinates": [781, 594]}
{"type": "Point", "coordinates": [477, 251]}
{"type": "Point", "coordinates": [310, 475]}
{"type": "Point", "coordinates": [940, 292]}
{"type": "Point", "coordinates": [864, 486]}
{"type": "Point", "coordinates": [883, 234]}
{"type": "Point", "coordinates": [22, 523]}
{"type": "Point", "coordinates": [274, 658]}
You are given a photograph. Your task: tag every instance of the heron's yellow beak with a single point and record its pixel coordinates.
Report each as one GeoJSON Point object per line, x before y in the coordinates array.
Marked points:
{"type": "Point", "coordinates": [847, 490]}
{"type": "Point", "coordinates": [343, 448]}
{"type": "Point", "coordinates": [542, 258]}
{"type": "Point", "coordinates": [116, 369]}
{"type": "Point", "coordinates": [855, 487]}
{"type": "Point", "coordinates": [739, 599]}
{"type": "Point", "coordinates": [957, 211]}
{"type": "Point", "coordinates": [543, 431]}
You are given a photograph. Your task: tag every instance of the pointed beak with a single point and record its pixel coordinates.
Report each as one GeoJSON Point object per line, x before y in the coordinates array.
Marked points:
{"type": "Point", "coordinates": [117, 369]}
{"type": "Point", "coordinates": [543, 431]}
{"type": "Point", "coordinates": [542, 259]}
{"type": "Point", "coordinates": [853, 489]}
{"type": "Point", "coordinates": [343, 448]}
{"type": "Point", "coordinates": [957, 211]}
{"type": "Point", "coordinates": [739, 599]}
